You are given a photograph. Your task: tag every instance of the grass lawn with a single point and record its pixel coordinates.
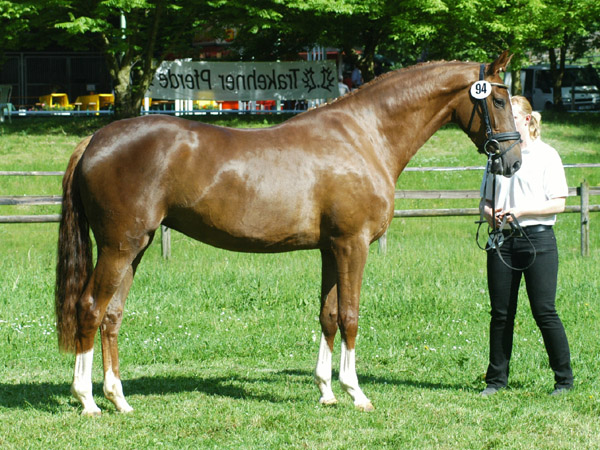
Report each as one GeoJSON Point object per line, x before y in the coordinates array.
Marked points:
{"type": "Point", "coordinates": [218, 348]}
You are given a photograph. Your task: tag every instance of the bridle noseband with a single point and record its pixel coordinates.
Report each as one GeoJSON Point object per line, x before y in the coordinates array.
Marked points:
{"type": "Point", "coordinates": [489, 133]}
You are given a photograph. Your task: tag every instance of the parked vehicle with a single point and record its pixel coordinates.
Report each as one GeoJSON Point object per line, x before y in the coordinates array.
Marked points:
{"type": "Point", "coordinates": [580, 87]}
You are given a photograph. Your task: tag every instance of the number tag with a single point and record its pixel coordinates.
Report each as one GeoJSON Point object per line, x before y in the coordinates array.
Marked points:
{"type": "Point", "coordinates": [481, 89]}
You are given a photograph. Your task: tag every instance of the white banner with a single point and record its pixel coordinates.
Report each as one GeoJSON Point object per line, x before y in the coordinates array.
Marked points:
{"type": "Point", "coordinates": [203, 80]}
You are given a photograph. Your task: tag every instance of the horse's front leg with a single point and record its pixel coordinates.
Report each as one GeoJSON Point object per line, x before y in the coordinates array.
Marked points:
{"type": "Point", "coordinates": [329, 326]}
{"type": "Point", "coordinates": [351, 256]}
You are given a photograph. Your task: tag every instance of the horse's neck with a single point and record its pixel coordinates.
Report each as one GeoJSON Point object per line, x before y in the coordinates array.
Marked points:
{"type": "Point", "coordinates": [411, 106]}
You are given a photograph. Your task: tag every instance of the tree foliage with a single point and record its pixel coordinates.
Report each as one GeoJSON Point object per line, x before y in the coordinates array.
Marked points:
{"type": "Point", "coordinates": [15, 19]}
{"type": "Point", "coordinates": [135, 35]}
{"type": "Point", "coordinates": [563, 26]}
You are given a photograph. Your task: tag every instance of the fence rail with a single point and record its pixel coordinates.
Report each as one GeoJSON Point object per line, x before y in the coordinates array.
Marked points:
{"type": "Point", "coordinates": [584, 208]}
{"type": "Point", "coordinates": [31, 200]}
{"type": "Point", "coordinates": [471, 194]}
{"type": "Point", "coordinates": [584, 191]}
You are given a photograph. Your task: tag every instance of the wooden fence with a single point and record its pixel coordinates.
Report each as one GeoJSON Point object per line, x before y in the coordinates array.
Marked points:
{"type": "Point", "coordinates": [584, 208]}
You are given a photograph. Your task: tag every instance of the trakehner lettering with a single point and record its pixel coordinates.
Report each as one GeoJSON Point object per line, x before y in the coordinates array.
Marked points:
{"type": "Point", "coordinates": [202, 80]}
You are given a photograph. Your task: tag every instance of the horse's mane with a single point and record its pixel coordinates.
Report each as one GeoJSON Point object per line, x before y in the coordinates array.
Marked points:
{"type": "Point", "coordinates": [381, 78]}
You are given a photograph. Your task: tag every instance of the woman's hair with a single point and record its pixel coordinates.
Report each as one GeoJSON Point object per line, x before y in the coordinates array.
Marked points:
{"type": "Point", "coordinates": [535, 124]}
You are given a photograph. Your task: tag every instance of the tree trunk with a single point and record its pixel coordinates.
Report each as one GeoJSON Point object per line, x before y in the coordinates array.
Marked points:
{"type": "Point", "coordinates": [516, 85]}
{"type": "Point", "coordinates": [557, 70]}
{"type": "Point", "coordinates": [372, 38]}
{"type": "Point", "coordinates": [129, 89]}
{"type": "Point", "coordinates": [124, 107]}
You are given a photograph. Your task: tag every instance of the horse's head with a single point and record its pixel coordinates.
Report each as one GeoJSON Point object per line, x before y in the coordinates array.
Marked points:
{"type": "Point", "coordinates": [485, 113]}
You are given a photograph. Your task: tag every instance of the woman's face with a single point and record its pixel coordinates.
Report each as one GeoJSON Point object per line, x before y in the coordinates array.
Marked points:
{"type": "Point", "coordinates": [521, 122]}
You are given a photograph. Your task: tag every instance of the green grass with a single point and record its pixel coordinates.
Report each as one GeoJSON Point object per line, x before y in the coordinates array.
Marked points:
{"type": "Point", "coordinates": [218, 348]}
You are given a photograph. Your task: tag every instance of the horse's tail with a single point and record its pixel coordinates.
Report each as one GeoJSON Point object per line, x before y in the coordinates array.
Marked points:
{"type": "Point", "coordinates": [74, 262]}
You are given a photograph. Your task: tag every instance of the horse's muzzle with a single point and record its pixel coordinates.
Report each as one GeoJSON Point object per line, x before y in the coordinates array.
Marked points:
{"type": "Point", "coordinates": [505, 165]}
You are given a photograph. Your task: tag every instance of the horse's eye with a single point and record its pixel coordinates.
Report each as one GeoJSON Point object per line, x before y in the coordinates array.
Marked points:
{"type": "Point", "coordinates": [499, 102]}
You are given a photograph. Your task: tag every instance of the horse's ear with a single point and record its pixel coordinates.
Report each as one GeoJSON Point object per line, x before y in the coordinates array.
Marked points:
{"type": "Point", "coordinates": [500, 64]}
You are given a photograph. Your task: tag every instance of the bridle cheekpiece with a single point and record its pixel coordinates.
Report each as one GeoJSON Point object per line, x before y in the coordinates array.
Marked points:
{"type": "Point", "coordinates": [480, 90]}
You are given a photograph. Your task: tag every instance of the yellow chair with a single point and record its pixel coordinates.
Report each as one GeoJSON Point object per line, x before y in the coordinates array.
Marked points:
{"type": "Point", "coordinates": [56, 99]}
{"type": "Point", "coordinates": [95, 102]}
{"type": "Point", "coordinates": [206, 104]}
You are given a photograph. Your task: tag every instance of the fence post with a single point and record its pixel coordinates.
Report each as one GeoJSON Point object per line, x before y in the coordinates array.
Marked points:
{"type": "Point", "coordinates": [382, 241]}
{"type": "Point", "coordinates": [585, 218]}
{"type": "Point", "coordinates": [165, 235]}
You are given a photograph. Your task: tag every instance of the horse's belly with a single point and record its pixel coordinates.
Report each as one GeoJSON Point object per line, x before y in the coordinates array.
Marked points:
{"type": "Point", "coordinates": [247, 231]}
{"type": "Point", "coordinates": [251, 222]}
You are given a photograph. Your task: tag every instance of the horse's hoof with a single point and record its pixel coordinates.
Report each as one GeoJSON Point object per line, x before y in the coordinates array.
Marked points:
{"type": "Point", "coordinates": [366, 407]}
{"type": "Point", "coordinates": [121, 404]}
{"type": "Point", "coordinates": [125, 409]}
{"type": "Point", "coordinates": [328, 402]}
{"type": "Point", "coordinates": [91, 413]}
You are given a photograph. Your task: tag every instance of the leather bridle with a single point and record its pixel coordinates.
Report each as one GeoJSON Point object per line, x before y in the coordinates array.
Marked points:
{"type": "Point", "coordinates": [489, 133]}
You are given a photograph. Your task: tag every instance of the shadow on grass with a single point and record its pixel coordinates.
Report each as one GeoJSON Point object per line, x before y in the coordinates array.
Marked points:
{"type": "Point", "coordinates": [50, 397]}
{"type": "Point", "coordinates": [366, 379]}
{"type": "Point", "coordinates": [42, 396]}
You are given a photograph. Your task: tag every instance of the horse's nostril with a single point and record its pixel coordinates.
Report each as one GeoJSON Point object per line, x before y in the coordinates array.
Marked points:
{"type": "Point", "coordinates": [516, 166]}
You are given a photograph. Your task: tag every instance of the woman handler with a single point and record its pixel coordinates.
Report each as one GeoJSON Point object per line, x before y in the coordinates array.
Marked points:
{"type": "Point", "coordinates": [532, 197]}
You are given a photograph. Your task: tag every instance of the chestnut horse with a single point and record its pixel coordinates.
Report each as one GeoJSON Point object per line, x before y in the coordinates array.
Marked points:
{"type": "Point", "coordinates": [324, 180]}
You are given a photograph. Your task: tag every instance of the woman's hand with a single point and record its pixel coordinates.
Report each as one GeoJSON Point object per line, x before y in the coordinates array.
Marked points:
{"type": "Point", "coordinates": [511, 214]}
{"type": "Point", "coordinates": [549, 207]}
{"type": "Point", "coordinates": [486, 208]}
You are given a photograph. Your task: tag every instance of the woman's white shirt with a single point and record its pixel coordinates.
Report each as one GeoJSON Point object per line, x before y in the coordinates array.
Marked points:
{"type": "Point", "coordinates": [540, 178]}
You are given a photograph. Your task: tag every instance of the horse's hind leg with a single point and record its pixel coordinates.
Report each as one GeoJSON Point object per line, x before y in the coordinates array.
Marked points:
{"type": "Point", "coordinates": [109, 274]}
{"type": "Point", "coordinates": [329, 327]}
{"type": "Point", "coordinates": [113, 389]}
{"type": "Point", "coordinates": [109, 330]}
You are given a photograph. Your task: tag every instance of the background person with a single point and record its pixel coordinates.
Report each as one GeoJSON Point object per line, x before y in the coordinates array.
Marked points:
{"type": "Point", "coordinates": [357, 78]}
{"type": "Point", "coordinates": [533, 196]}
{"type": "Point", "coordinates": [342, 86]}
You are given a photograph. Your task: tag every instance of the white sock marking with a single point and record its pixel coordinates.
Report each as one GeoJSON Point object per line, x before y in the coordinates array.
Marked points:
{"type": "Point", "coordinates": [82, 383]}
{"type": "Point", "coordinates": [113, 390]}
{"type": "Point", "coordinates": [348, 378]}
{"type": "Point", "coordinates": [323, 372]}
